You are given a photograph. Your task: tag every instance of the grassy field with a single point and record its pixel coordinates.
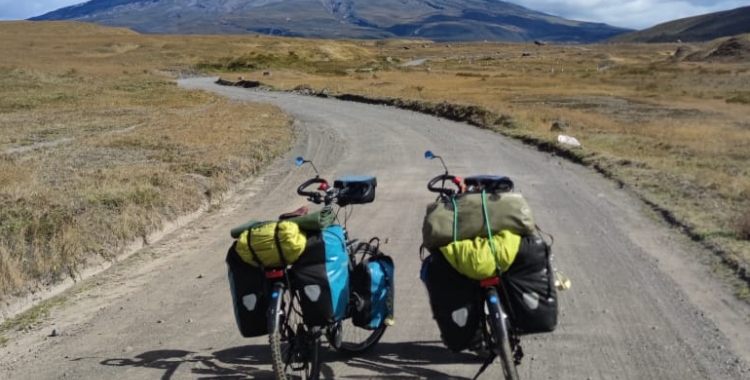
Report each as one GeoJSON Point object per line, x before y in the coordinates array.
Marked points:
{"type": "Point", "coordinates": [98, 147]}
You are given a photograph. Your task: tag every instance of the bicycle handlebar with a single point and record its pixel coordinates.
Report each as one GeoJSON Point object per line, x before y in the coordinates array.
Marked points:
{"type": "Point", "coordinates": [473, 184]}
{"type": "Point", "coordinates": [313, 196]}
{"type": "Point", "coordinates": [346, 191]}
{"type": "Point", "coordinates": [442, 190]}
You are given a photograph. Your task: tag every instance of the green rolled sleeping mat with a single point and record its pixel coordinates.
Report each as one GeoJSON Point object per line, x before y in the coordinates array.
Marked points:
{"type": "Point", "coordinates": [314, 221]}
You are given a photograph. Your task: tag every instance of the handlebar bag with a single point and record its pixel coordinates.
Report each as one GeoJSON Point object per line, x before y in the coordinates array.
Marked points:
{"type": "Point", "coordinates": [249, 298]}
{"type": "Point", "coordinates": [372, 283]}
{"type": "Point", "coordinates": [507, 211]}
{"type": "Point", "coordinates": [455, 301]}
{"type": "Point", "coordinates": [474, 259]}
{"type": "Point", "coordinates": [355, 190]}
{"type": "Point", "coordinates": [321, 276]}
{"type": "Point", "coordinates": [271, 244]}
{"type": "Point", "coordinates": [490, 183]}
{"type": "Point", "coordinates": [530, 285]}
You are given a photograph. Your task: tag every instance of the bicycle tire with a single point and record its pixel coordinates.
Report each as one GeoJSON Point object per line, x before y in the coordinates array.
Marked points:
{"type": "Point", "coordinates": [295, 350]}
{"type": "Point", "coordinates": [499, 328]}
{"type": "Point", "coordinates": [356, 340]}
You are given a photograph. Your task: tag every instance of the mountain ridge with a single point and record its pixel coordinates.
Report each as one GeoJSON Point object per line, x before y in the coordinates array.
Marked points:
{"type": "Point", "coordinates": [439, 20]}
{"type": "Point", "coordinates": [699, 28]}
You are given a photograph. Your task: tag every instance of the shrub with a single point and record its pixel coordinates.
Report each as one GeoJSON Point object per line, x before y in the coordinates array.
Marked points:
{"type": "Point", "coordinates": [741, 98]}
{"type": "Point", "coordinates": [742, 226]}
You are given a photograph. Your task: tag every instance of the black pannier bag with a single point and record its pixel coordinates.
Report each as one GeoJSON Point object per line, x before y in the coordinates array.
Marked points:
{"type": "Point", "coordinates": [454, 300]}
{"type": "Point", "coordinates": [530, 286]}
{"type": "Point", "coordinates": [321, 275]}
{"type": "Point", "coordinates": [355, 190]}
{"type": "Point", "coordinates": [372, 284]}
{"type": "Point", "coordinates": [246, 284]}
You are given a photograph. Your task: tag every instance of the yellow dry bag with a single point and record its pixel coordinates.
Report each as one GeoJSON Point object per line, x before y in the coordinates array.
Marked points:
{"type": "Point", "coordinates": [262, 242]}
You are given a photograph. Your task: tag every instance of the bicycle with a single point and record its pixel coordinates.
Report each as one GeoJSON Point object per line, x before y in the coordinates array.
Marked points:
{"type": "Point", "coordinates": [495, 327]}
{"type": "Point", "coordinates": [295, 345]}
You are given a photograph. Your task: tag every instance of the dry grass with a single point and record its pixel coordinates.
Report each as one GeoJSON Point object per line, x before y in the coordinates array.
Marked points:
{"type": "Point", "coordinates": [99, 146]}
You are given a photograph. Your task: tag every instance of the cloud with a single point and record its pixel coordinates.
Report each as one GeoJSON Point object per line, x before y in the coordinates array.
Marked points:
{"type": "Point", "coordinates": [636, 14]}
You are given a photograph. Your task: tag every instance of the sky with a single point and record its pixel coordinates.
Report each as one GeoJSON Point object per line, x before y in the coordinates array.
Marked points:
{"type": "Point", "coordinates": [634, 14]}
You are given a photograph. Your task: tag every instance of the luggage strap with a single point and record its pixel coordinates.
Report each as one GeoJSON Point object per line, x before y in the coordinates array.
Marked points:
{"type": "Point", "coordinates": [252, 251]}
{"type": "Point", "coordinates": [549, 235]}
{"type": "Point", "coordinates": [489, 229]}
{"type": "Point", "coordinates": [455, 218]}
{"type": "Point", "coordinates": [486, 364]}
{"type": "Point", "coordinates": [486, 215]}
{"type": "Point", "coordinates": [278, 244]}
{"type": "Point", "coordinates": [276, 240]}
{"type": "Point", "coordinates": [502, 288]}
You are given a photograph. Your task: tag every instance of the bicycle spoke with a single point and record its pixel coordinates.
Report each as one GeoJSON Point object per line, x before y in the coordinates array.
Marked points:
{"type": "Point", "coordinates": [295, 348]}
{"type": "Point", "coordinates": [356, 339]}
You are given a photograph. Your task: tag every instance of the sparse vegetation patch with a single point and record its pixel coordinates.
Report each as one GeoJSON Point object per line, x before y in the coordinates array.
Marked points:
{"type": "Point", "coordinates": [98, 152]}
{"type": "Point", "coordinates": [740, 98]}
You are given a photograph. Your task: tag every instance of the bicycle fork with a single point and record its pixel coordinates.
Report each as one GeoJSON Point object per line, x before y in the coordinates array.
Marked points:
{"type": "Point", "coordinates": [295, 357]}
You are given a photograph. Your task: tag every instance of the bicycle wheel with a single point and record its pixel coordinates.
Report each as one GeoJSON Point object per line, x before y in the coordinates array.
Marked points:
{"type": "Point", "coordinates": [295, 349]}
{"type": "Point", "coordinates": [350, 339]}
{"type": "Point", "coordinates": [500, 338]}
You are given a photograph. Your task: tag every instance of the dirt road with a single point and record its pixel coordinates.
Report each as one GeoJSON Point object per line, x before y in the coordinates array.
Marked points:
{"type": "Point", "coordinates": [642, 304]}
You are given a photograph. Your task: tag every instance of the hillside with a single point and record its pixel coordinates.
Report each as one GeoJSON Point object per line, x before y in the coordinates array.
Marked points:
{"type": "Point", "coordinates": [694, 29]}
{"type": "Point", "coordinates": [439, 20]}
{"type": "Point", "coordinates": [726, 50]}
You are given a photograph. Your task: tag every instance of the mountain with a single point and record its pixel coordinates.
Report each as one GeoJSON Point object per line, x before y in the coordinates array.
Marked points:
{"type": "Point", "coordinates": [694, 29]}
{"type": "Point", "coordinates": [439, 20]}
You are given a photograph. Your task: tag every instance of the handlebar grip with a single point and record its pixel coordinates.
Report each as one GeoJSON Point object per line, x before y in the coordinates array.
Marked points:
{"type": "Point", "coordinates": [310, 194]}
{"type": "Point", "coordinates": [442, 190]}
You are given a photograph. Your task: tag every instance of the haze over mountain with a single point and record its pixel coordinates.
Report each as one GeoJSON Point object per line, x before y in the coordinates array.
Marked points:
{"type": "Point", "coordinates": [694, 29]}
{"type": "Point", "coordinates": [439, 20]}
